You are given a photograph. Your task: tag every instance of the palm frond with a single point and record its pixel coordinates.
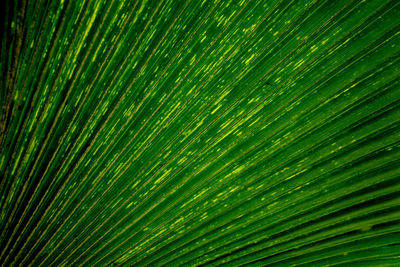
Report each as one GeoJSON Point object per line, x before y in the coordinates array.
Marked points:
{"type": "Point", "coordinates": [169, 132]}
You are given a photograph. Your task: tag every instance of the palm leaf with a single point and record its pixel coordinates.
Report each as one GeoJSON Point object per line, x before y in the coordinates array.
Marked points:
{"type": "Point", "coordinates": [200, 133]}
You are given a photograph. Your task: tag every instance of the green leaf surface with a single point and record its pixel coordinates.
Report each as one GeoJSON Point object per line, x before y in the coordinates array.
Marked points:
{"type": "Point", "coordinates": [185, 132]}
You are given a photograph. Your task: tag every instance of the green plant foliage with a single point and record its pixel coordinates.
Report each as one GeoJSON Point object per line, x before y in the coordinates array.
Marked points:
{"type": "Point", "coordinates": [200, 132]}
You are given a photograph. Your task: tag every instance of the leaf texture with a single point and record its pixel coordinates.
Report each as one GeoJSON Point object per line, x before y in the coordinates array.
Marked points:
{"type": "Point", "coordinates": [169, 132]}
